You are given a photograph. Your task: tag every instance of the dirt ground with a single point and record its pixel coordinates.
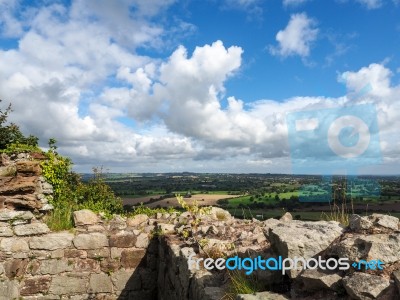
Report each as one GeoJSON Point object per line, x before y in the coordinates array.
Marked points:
{"type": "Point", "coordinates": [203, 199]}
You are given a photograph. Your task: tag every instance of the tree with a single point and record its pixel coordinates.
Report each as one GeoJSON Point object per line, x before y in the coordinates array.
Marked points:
{"type": "Point", "coordinates": [10, 132]}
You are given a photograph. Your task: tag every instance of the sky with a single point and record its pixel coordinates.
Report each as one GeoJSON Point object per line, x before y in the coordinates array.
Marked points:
{"type": "Point", "coordinates": [205, 85]}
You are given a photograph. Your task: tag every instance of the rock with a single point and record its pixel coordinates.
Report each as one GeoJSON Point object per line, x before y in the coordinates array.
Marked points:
{"type": "Point", "coordinates": [365, 286]}
{"type": "Point", "coordinates": [15, 267]}
{"type": "Point", "coordinates": [125, 280]}
{"type": "Point", "coordinates": [28, 168]}
{"type": "Point", "coordinates": [386, 221]}
{"type": "Point", "coordinates": [31, 229]}
{"type": "Point", "coordinates": [47, 188]}
{"type": "Point", "coordinates": [219, 214]}
{"type": "Point", "coordinates": [123, 240]}
{"type": "Point", "coordinates": [54, 266]}
{"type": "Point", "coordinates": [19, 185]}
{"type": "Point", "coordinates": [137, 220]}
{"type": "Point", "coordinates": [268, 224]}
{"type": "Point", "coordinates": [7, 171]}
{"type": "Point", "coordinates": [5, 231]}
{"type": "Point", "coordinates": [117, 223]}
{"type": "Point", "coordinates": [85, 217]}
{"type": "Point", "coordinates": [62, 285]}
{"type": "Point", "coordinates": [92, 240]}
{"type": "Point", "coordinates": [130, 259]}
{"type": "Point", "coordinates": [14, 245]}
{"type": "Point", "coordinates": [35, 285]}
{"type": "Point", "coordinates": [385, 247]}
{"type": "Point", "coordinates": [357, 223]}
{"type": "Point", "coordinates": [52, 241]}
{"type": "Point", "coordinates": [11, 215]}
{"type": "Point", "coordinates": [286, 217]}
{"type": "Point", "coordinates": [142, 240]}
{"type": "Point", "coordinates": [314, 279]}
{"type": "Point", "coordinates": [46, 207]}
{"type": "Point", "coordinates": [303, 239]}
{"type": "Point", "coordinates": [166, 228]}
{"type": "Point", "coordinates": [261, 296]}
{"type": "Point", "coordinates": [9, 289]}
{"type": "Point", "coordinates": [100, 283]}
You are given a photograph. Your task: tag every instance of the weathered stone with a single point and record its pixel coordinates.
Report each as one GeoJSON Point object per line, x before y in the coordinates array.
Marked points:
{"type": "Point", "coordinates": [10, 215]}
{"type": "Point", "coordinates": [54, 266]}
{"type": "Point", "coordinates": [5, 231]}
{"type": "Point", "coordinates": [96, 228]}
{"type": "Point", "coordinates": [74, 253]}
{"type": "Point", "coordinates": [123, 240]}
{"type": "Point", "coordinates": [20, 201]}
{"type": "Point", "coordinates": [19, 185]}
{"type": "Point", "coordinates": [386, 247]}
{"type": "Point", "coordinates": [130, 259]}
{"type": "Point", "coordinates": [219, 214]}
{"type": "Point", "coordinates": [9, 289]}
{"type": "Point", "coordinates": [386, 221]}
{"type": "Point", "coordinates": [142, 240]}
{"type": "Point", "coordinates": [357, 223]}
{"type": "Point", "coordinates": [92, 240]}
{"type": "Point", "coordinates": [365, 286]}
{"type": "Point", "coordinates": [62, 285]}
{"type": "Point", "coordinates": [35, 285]}
{"type": "Point", "coordinates": [115, 252]}
{"type": "Point", "coordinates": [109, 265]}
{"type": "Point", "coordinates": [268, 224]}
{"type": "Point", "coordinates": [31, 229]}
{"type": "Point", "coordinates": [137, 220]}
{"type": "Point", "coordinates": [100, 283]}
{"type": "Point", "coordinates": [166, 228]}
{"type": "Point", "coordinates": [261, 296]}
{"type": "Point", "coordinates": [87, 265]}
{"type": "Point", "coordinates": [125, 280]}
{"type": "Point", "coordinates": [47, 188]}
{"type": "Point", "coordinates": [15, 267]}
{"type": "Point", "coordinates": [98, 253]}
{"type": "Point", "coordinates": [314, 279]}
{"type": "Point", "coordinates": [286, 217]}
{"type": "Point", "coordinates": [14, 245]}
{"type": "Point", "coordinates": [28, 168]}
{"type": "Point", "coordinates": [85, 217]}
{"type": "Point", "coordinates": [8, 171]}
{"type": "Point", "coordinates": [303, 239]}
{"type": "Point", "coordinates": [58, 253]}
{"type": "Point", "coordinates": [52, 241]}
{"type": "Point", "coordinates": [118, 223]}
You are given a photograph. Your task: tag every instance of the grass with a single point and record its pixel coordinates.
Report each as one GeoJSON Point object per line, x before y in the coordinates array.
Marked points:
{"type": "Point", "coordinates": [241, 283]}
{"type": "Point", "coordinates": [61, 218]}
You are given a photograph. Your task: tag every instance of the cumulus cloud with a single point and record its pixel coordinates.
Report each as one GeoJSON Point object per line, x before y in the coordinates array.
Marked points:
{"type": "Point", "coordinates": [297, 38]}
{"type": "Point", "coordinates": [163, 114]}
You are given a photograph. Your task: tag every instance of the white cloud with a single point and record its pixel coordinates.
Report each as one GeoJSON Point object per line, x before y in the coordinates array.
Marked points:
{"type": "Point", "coordinates": [293, 2]}
{"type": "Point", "coordinates": [371, 4]}
{"type": "Point", "coordinates": [57, 80]}
{"type": "Point", "coordinates": [297, 37]}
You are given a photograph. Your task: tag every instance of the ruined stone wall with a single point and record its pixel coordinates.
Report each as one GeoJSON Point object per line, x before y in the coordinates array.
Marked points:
{"type": "Point", "coordinates": [21, 183]}
{"type": "Point", "coordinates": [146, 258]}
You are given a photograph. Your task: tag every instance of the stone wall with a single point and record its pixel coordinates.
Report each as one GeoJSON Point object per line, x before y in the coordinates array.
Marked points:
{"type": "Point", "coordinates": [21, 183]}
{"type": "Point", "coordinates": [147, 258]}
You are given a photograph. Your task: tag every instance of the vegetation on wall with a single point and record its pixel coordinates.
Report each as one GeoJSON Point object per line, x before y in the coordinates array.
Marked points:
{"type": "Point", "coordinates": [70, 193]}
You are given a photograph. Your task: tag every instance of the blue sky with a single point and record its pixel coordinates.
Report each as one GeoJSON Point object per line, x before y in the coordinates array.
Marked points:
{"type": "Point", "coordinates": [160, 86]}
